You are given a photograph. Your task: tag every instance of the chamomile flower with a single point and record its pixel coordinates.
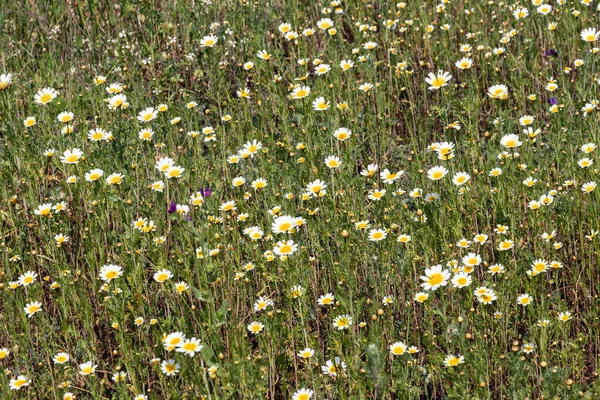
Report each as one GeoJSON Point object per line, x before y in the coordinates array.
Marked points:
{"type": "Point", "coordinates": [461, 280]}
{"type": "Point", "coordinates": [452, 360]}
{"type": "Point", "coordinates": [342, 322]}
{"type": "Point", "coordinates": [376, 235]}
{"type": "Point", "coordinates": [590, 35]}
{"type": "Point", "coordinates": [332, 162]}
{"type": "Point", "coordinates": [65, 117]}
{"type": "Point", "coordinates": [439, 80]}
{"type": "Point", "coordinates": [464, 63]}
{"type": "Point", "coordinates": [320, 104]}
{"type": "Point", "coordinates": [110, 272]}
{"type": "Point", "coordinates": [189, 347]}
{"type": "Point", "coordinates": [45, 95]}
{"type": "Point", "coordinates": [19, 382]}
{"type": "Point", "coordinates": [71, 156]}
{"type": "Point", "coordinates": [303, 394]}
{"type": "Point", "coordinates": [326, 299]}
{"type": "Point", "coordinates": [255, 327]}
{"type": "Point", "coordinates": [435, 277]}
{"type": "Point", "coordinates": [170, 367]}
{"type": "Point", "coordinates": [565, 316]}
{"type": "Point", "coordinates": [147, 115]}
{"type": "Point", "coordinates": [398, 348]}
{"type": "Point", "coordinates": [162, 275]}
{"type": "Point", "coordinates": [436, 173]}
{"type": "Point", "coordinates": [5, 81]}
{"type": "Point", "coordinates": [498, 92]}
{"type": "Point", "coordinates": [208, 41]}
{"type": "Point", "coordinates": [61, 358]}
{"type": "Point", "coordinates": [87, 368]}
{"type": "Point", "coordinates": [524, 300]}
{"type": "Point", "coordinates": [32, 308]}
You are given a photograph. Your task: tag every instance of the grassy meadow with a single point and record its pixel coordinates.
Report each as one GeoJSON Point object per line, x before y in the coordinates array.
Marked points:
{"type": "Point", "coordinates": [289, 199]}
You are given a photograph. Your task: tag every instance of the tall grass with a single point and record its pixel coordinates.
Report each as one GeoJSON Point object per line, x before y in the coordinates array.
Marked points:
{"type": "Point", "coordinates": [154, 50]}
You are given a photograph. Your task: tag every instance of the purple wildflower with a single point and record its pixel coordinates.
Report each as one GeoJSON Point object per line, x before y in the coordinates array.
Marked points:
{"type": "Point", "coordinates": [172, 208]}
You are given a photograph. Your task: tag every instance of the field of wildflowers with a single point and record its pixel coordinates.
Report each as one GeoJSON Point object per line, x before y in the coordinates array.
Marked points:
{"type": "Point", "coordinates": [286, 199]}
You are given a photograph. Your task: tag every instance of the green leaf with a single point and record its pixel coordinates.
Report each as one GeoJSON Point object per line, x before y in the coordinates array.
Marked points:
{"type": "Point", "coordinates": [208, 355]}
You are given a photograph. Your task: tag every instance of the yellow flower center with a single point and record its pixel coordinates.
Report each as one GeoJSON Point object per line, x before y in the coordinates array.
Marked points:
{"type": "Point", "coordinates": [20, 382]}
{"type": "Point", "coordinates": [170, 367]}
{"type": "Point", "coordinates": [285, 249]}
{"type": "Point", "coordinates": [438, 82]}
{"type": "Point", "coordinates": [435, 279]}
{"type": "Point", "coordinates": [189, 346]}
{"type": "Point", "coordinates": [285, 226]}
{"type": "Point", "coordinates": [453, 362]}
{"type": "Point", "coordinates": [46, 97]}
{"type": "Point", "coordinates": [540, 267]}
